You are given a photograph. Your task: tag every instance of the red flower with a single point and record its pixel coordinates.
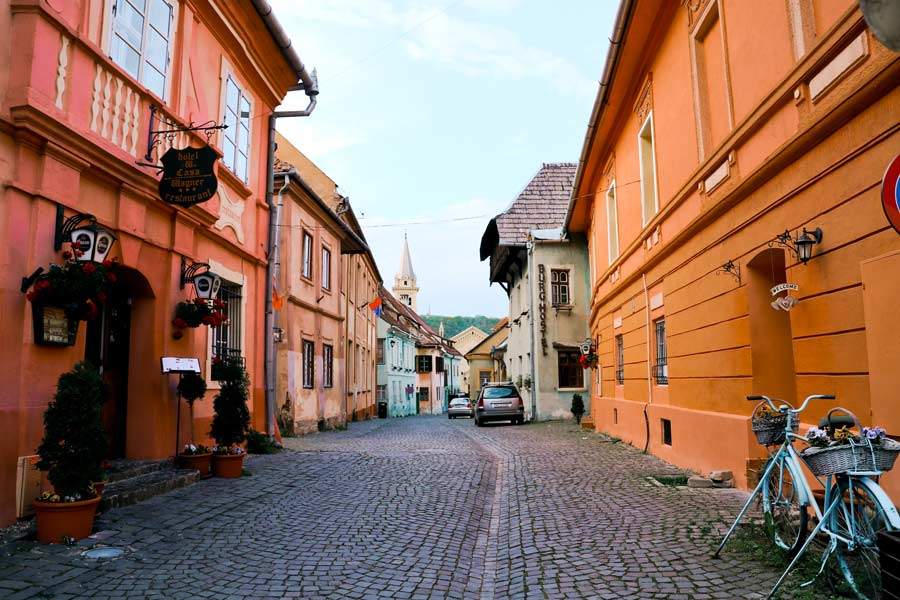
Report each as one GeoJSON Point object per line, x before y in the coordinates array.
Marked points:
{"type": "Point", "coordinates": [77, 252]}
{"type": "Point", "coordinates": [199, 301]}
{"type": "Point", "coordinates": [66, 254]}
{"type": "Point", "coordinates": [89, 268]}
{"type": "Point", "coordinates": [218, 304]}
{"type": "Point", "coordinates": [107, 263]}
{"type": "Point", "coordinates": [207, 320]}
{"type": "Point", "coordinates": [178, 334]}
{"type": "Point", "coordinates": [111, 277]}
{"type": "Point", "coordinates": [179, 323]}
{"type": "Point", "coordinates": [42, 284]}
{"type": "Point", "coordinates": [30, 296]}
{"type": "Point", "coordinates": [101, 296]}
{"type": "Point", "coordinates": [216, 360]}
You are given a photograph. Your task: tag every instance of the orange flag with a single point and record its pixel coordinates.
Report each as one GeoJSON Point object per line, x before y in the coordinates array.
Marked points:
{"type": "Point", "coordinates": [277, 299]}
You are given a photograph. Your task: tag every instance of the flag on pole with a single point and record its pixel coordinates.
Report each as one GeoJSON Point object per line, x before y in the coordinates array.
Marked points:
{"type": "Point", "coordinates": [376, 306]}
{"type": "Point", "coordinates": [277, 299]}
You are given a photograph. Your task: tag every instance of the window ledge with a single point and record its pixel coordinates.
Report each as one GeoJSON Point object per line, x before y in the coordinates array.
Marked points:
{"type": "Point", "coordinates": [571, 389]}
{"type": "Point", "coordinates": [233, 180]}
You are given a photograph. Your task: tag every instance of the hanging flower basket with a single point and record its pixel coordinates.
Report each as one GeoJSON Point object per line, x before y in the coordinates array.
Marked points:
{"type": "Point", "coordinates": [589, 360]}
{"type": "Point", "coordinates": [197, 313]}
{"type": "Point", "coordinates": [79, 288]}
{"type": "Point", "coordinates": [838, 451]}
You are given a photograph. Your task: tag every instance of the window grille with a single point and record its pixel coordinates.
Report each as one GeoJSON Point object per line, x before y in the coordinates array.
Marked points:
{"type": "Point", "coordinates": [559, 287]}
{"type": "Point", "coordinates": [309, 364]}
{"type": "Point", "coordinates": [661, 368]}
{"type": "Point", "coordinates": [226, 342]}
{"type": "Point", "coordinates": [620, 360]}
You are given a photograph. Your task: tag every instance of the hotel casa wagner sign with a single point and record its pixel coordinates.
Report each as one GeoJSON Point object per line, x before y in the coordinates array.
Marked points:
{"type": "Point", "coordinates": [188, 175]}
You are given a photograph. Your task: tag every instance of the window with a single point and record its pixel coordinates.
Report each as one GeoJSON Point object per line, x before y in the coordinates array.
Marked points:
{"type": "Point", "coordinates": [309, 364]}
{"type": "Point", "coordinates": [484, 377]}
{"type": "Point", "coordinates": [559, 287]}
{"type": "Point", "coordinates": [423, 394]}
{"type": "Point", "coordinates": [379, 351]}
{"type": "Point", "coordinates": [423, 364]}
{"type": "Point", "coordinates": [141, 39]}
{"type": "Point", "coordinates": [380, 393]}
{"type": "Point", "coordinates": [661, 369]}
{"type": "Point", "coordinates": [571, 375]}
{"type": "Point", "coordinates": [307, 256]}
{"type": "Point", "coordinates": [236, 136]}
{"type": "Point", "coordinates": [326, 268]}
{"type": "Point", "coordinates": [226, 338]}
{"type": "Point", "coordinates": [647, 154]}
{"type": "Point", "coordinates": [666, 431]}
{"type": "Point", "coordinates": [328, 357]}
{"type": "Point", "coordinates": [615, 416]}
{"type": "Point", "coordinates": [612, 223]}
{"type": "Point", "coordinates": [439, 364]}
{"type": "Point", "coordinates": [620, 360]}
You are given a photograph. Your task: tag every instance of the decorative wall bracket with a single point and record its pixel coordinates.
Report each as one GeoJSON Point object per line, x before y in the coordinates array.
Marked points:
{"type": "Point", "coordinates": [168, 129]}
{"type": "Point", "coordinates": [730, 268]}
{"type": "Point", "coordinates": [189, 271]}
{"type": "Point", "coordinates": [802, 246]}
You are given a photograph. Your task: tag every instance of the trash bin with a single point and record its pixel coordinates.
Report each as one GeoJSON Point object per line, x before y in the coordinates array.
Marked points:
{"type": "Point", "coordinates": [382, 410]}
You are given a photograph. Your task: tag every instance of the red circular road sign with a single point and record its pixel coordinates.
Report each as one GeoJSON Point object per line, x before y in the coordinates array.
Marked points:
{"type": "Point", "coordinates": [890, 193]}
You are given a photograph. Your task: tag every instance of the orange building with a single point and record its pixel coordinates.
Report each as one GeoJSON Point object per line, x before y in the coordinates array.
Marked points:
{"type": "Point", "coordinates": [79, 83]}
{"type": "Point", "coordinates": [316, 245]}
{"type": "Point", "coordinates": [719, 125]}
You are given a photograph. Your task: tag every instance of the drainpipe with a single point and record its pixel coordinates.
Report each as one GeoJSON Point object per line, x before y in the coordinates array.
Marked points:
{"type": "Point", "coordinates": [649, 372]}
{"type": "Point", "coordinates": [310, 87]}
{"type": "Point", "coordinates": [272, 270]}
{"type": "Point", "coordinates": [529, 245]}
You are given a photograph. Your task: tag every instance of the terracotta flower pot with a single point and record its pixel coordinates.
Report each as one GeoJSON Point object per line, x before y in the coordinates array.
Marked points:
{"type": "Point", "coordinates": [229, 466]}
{"type": "Point", "coordinates": [198, 462]}
{"type": "Point", "coordinates": [58, 520]}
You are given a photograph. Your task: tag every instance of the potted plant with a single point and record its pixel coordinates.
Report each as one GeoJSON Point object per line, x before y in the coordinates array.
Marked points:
{"type": "Point", "coordinates": [577, 407]}
{"type": "Point", "coordinates": [231, 419]}
{"type": "Point", "coordinates": [100, 484]}
{"type": "Point", "coordinates": [192, 387]}
{"type": "Point", "coordinates": [72, 453]}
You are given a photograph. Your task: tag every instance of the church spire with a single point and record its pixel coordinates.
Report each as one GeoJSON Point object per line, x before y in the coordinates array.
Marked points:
{"type": "Point", "coordinates": [405, 288]}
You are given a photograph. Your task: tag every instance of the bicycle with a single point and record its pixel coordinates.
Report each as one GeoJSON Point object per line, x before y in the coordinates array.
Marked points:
{"type": "Point", "coordinates": [855, 510]}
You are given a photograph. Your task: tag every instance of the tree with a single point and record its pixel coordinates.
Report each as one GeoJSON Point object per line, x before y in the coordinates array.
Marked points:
{"type": "Point", "coordinates": [74, 443]}
{"type": "Point", "coordinates": [231, 420]}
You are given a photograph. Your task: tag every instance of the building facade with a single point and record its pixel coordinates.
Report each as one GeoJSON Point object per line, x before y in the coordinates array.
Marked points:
{"type": "Point", "coordinates": [545, 274]}
{"type": "Point", "coordinates": [482, 366]}
{"type": "Point", "coordinates": [310, 361]}
{"type": "Point", "coordinates": [396, 356]}
{"type": "Point", "coordinates": [464, 341]}
{"type": "Point", "coordinates": [80, 90]}
{"type": "Point", "coordinates": [692, 204]}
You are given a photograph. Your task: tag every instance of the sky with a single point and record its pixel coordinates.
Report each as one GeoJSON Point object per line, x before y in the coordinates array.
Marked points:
{"type": "Point", "coordinates": [434, 114]}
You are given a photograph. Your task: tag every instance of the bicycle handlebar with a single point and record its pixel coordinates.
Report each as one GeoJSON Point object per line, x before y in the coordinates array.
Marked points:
{"type": "Point", "coordinates": [768, 401]}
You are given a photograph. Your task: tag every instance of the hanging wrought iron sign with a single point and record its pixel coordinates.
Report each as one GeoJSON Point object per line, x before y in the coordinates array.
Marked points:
{"type": "Point", "coordinates": [188, 175]}
{"type": "Point", "coordinates": [786, 302]}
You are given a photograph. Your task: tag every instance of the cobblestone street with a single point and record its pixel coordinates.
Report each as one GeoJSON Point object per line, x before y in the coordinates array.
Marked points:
{"type": "Point", "coordinates": [411, 508]}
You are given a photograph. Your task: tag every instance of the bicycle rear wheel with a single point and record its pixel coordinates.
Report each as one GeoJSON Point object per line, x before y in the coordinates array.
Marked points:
{"type": "Point", "coordinates": [784, 509]}
{"type": "Point", "coordinates": [860, 518]}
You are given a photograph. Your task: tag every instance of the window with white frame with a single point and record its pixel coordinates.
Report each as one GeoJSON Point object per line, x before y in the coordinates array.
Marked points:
{"type": "Point", "coordinates": [647, 155]}
{"type": "Point", "coordinates": [236, 135]}
{"type": "Point", "coordinates": [307, 255]}
{"type": "Point", "coordinates": [559, 287]}
{"type": "Point", "coordinates": [141, 40]}
{"type": "Point", "coordinates": [612, 223]}
{"type": "Point", "coordinates": [326, 268]}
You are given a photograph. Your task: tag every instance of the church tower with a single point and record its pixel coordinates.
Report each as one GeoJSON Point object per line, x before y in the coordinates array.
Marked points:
{"type": "Point", "coordinates": [405, 289]}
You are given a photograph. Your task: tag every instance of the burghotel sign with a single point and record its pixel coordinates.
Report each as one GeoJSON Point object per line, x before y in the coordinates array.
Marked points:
{"type": "Point", "coordinates": [188, 175]}
{"type": "Point", "coordinates": [542, 307]}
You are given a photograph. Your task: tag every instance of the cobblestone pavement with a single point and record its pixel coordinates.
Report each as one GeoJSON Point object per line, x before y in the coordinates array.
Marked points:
{"type": "Point", "coordinates": [411, 508]}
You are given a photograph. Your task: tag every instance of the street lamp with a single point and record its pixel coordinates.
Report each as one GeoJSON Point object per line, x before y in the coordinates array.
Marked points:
{"type": "Point", "coordinates": [91, 242]}
{"type": "Point", "coordinates": [206, 283]}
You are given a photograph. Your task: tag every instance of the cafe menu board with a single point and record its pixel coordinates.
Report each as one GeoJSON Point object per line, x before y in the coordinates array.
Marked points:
{"type": "Point", "coordinates": [52, 327]}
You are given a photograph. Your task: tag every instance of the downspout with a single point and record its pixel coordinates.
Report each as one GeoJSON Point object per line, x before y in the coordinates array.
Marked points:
{"type": "Point", "coordinates": [649, 372]}
{"type": "Point", "coordinates": [272, 269]}
{"type": "Point", "coordinates": [534, 380]}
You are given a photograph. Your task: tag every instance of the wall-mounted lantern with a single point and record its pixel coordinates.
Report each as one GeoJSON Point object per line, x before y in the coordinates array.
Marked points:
{"type": "Point", "coordinates": [91, 242]}
{"type": "Point", "coordinates": [802, 247]}
{"type": "Point", "coordinates": [206, 283]}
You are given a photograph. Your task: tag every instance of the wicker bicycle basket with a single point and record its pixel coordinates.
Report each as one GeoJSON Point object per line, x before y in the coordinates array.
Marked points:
{"type": "Point", "coordinates": [768, 429]}
{"type": "Point", "coordinates": [863, 455]}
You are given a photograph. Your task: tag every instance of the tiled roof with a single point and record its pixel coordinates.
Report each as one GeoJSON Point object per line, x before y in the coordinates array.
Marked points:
{"type": "Point", "coordinates": [541, 205]}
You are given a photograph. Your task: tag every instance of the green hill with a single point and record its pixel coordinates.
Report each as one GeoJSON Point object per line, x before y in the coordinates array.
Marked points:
{"type": "Point", "coordinates": [453, 325]}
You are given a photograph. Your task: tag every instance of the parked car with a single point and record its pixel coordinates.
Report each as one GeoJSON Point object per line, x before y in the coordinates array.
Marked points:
{"type": "Point", "coordinates": [460, 407]}
{"type": "Point", "coordinates": [499, 402]}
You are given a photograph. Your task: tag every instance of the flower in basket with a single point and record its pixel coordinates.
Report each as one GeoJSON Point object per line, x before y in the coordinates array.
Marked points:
{"type": "Point", "coordinates": [197, 313]}
{"type": "Point", "coordinates": [767, 412]}
{"type": "Point", "coordinates": [844, 436]}
{"type": "Point", "coordinates": [817, 438]}
{"type": "Point", "coordinates": [874, 434]}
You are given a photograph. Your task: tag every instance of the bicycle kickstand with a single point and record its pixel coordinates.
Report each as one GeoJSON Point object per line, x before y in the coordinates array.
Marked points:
{"type": "Point", "coordinates": [746, 507]}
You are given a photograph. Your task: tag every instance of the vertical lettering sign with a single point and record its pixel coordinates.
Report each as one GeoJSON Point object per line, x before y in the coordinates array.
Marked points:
{"type": "Point", "coordinates": [188, 175]}
{"type": "Point", "coordinates": [542, 306]}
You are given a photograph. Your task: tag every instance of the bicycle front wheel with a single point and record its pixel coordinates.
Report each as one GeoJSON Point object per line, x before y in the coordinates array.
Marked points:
{"type": "Point", "coordinates": [784, 508]}
{"type": "Point", "coordinates": [859, 518]}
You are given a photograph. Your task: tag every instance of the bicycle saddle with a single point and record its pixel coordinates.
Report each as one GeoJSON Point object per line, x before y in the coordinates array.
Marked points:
{"type": "Point", "coordinates": [837, 421]}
